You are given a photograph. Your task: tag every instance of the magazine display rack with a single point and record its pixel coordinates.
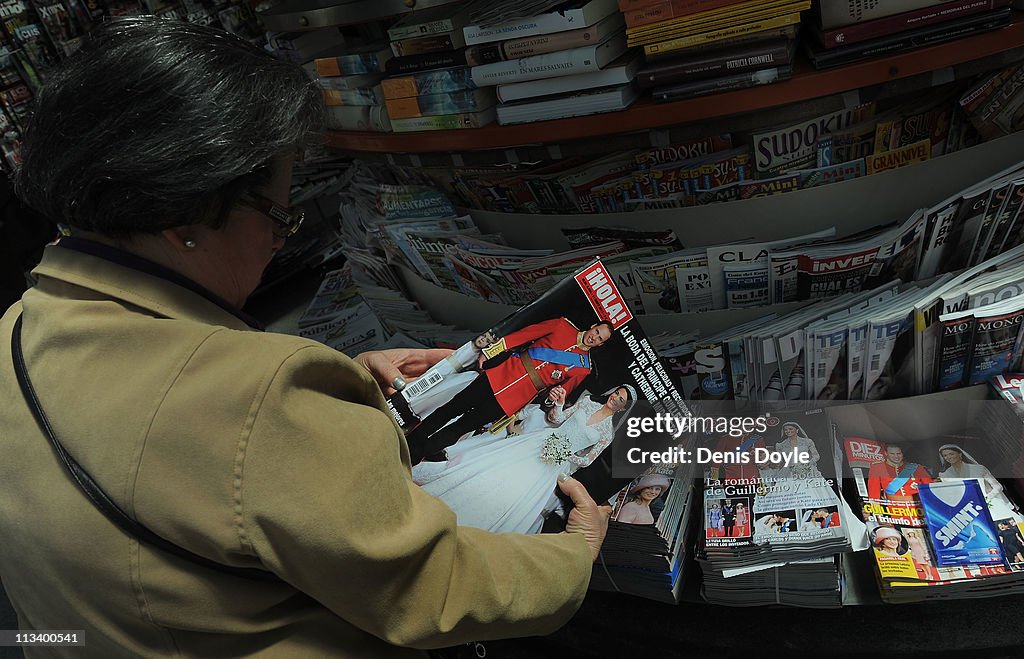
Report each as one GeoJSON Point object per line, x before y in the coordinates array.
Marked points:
{"type": "Point", "coordinates": [849, 206]}
{"type": "Point", "coordinates": [852, 206]}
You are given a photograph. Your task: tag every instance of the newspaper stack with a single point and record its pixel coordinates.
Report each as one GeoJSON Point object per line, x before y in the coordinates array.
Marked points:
{"type": "Point", "coordinates": [941, 524]}
{"type": "Point", "coordinates": [812, 583]}
{"type": "Point", "coordinates": [645, 550]}
{"type": "Point", "coordinates": [771, 499]}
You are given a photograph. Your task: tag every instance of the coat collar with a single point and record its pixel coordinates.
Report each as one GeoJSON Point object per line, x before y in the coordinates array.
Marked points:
{"type": "Point", "coordinates": [138, 282]}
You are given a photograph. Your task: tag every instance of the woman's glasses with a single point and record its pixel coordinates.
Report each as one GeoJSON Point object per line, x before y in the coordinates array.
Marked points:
{"type": "Point", "coordinates": [286, 220]}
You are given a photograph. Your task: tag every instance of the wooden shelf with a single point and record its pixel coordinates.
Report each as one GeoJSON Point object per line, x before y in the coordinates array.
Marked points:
{"type": "Point", "coordinates": [807, 83]}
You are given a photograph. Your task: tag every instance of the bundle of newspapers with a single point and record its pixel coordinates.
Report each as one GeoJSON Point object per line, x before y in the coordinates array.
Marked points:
{"type": "Point", "coordinates": [941, 524]}
{"type": "Point", "coordinates": [774, 521]}
{"type": "Point", "coordinates": [549, 390]}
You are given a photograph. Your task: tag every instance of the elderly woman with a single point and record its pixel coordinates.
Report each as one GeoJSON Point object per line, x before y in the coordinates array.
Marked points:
{"type": "Point", "coordinates": [271, 490]}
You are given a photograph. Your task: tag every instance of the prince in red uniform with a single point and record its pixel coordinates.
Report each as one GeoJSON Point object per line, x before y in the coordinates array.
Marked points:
{"type": "Point", "coordinates": [558, 354]}
{"type": "Point", "coordinates": [895, 479]}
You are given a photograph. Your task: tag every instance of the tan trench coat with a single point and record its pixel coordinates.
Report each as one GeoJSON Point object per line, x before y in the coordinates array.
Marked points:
{"type": "Point", "coordinates": [251, 449]}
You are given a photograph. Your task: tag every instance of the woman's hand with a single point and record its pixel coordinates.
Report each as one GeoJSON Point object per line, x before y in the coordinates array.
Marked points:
{"type": "Point", "coordinates": [557, 395]}
{"type": "Point", "coordinates": [404, 364]}
{"type": "Point", "coordinates": [586, 516]}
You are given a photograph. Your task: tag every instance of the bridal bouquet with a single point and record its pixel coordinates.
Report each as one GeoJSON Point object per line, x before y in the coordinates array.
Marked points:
{"type": "Point", "coordinates": [557, 449]}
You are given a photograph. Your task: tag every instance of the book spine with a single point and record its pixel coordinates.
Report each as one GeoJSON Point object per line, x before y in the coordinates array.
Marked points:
{"type": "Point", "coordinates": [439, 26]}
{"type": "Point", "coordinates": [837, 13]}
{"type": "Point", "coordinates": [345, 65]}
{"type": "Point", "coordinates": [663, 11]}
{"type": "Point", "coordinates": [527, 27]}
{"type": "Point", "coordinates": [910, 20]}
{"type": "Point", "coordinates": [957, 30]}
{"type": "Point", "coordinates": [771, 54]}
{"type": "Point", "coordinates": [440, 104]}
{"type": "Point", "coordinates": [442, 122]}
{"type": "Point", "coordinates": [348, 83]}
{"type": "Point", "coordinates": [712, 21]}
{"type": "Point", "coordinates": [422, 45]}
{"type": "Point", "coordinates": [566, 62]}
{"type": "Point", "coordinates": [487, 53]}
{"type": "Point", "coordinates": [720, 35]}
{"type": "Point", "coordinates": [425, 62]}
{"type": "Point", "coordinates": [352, 96]}
{"type": "Point", "coordinates": [427, 82]}
{"type": "Point", "coordinates": [550, 43]}
{"type": "Point", "coordinates": [688, 6]}
{"type": "Point", "coordinates": [742, 81]}
{"type": "Point", "coordinates": [371, 118]}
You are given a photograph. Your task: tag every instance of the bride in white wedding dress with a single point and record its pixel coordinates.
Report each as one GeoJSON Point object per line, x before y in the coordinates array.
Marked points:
{"type": "Point", "coordinates": [504, 484]}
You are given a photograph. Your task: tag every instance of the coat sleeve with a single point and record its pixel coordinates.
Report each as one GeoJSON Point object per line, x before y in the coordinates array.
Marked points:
{"type": "Point", "coordinates": [328, 503]}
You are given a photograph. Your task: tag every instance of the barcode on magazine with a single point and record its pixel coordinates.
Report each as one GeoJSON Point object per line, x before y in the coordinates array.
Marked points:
{"type": "Point", "coordinates": [858, 477]}
{"type": "Point", "coordinates": [420, 386]}
{"type": "Point", "coordinates": [876, 362]}
{"type": "Point", "coordinates": [856, 363]}
{"type": "Point", "coordinates": [821, 371]}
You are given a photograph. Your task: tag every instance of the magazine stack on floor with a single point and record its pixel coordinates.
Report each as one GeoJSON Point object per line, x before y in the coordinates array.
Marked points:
{"type": "Point", "coordinates": [941, 524]}
{"type": "Point", "coordinates": [774, 521]}
{"type": "Point", "coordinates": [694, 48]}
{"type": "Point", "coordinates": [847, 31]}
{"type": "Point", "coordinates": [646, 550]}
{"type": "Point", "coordinates": [551, 59]}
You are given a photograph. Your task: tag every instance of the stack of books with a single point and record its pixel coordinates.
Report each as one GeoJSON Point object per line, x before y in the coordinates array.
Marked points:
{"type": "Point", "coordinates": [429, 40]}
{"type": "Point", "coordinates": [698, 47]}
{"type": "Point", "coordinates": [568, 60]}
{"type": "Point", "coordinates": [430, 86]}
{"type": "Point", "coordinates": [845, 31]}
{"type": "Point", "coordinates": [349, 78]}
{"type": "Point", "coordinates": [442, 99]}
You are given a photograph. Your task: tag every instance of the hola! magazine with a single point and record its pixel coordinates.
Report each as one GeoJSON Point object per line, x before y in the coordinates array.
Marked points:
{"type": "Point", "coordinates": [547, 390]}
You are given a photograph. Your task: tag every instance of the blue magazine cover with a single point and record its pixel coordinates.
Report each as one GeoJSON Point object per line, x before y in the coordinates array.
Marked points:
{"type": "Point", "coordinates": [958, 520]}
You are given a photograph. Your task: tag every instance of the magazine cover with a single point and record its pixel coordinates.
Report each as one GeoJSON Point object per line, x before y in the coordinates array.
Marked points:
{"type": "Point", "coordinates": [545, 391]}
{"type": "Point", "coordinates": [775, 488]}
{"type": "Point", "coordinates": [908, 490]}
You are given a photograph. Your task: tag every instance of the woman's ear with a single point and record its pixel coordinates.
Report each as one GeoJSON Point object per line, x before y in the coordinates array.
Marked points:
{"type": "Point", "coordinates": [181, 238]}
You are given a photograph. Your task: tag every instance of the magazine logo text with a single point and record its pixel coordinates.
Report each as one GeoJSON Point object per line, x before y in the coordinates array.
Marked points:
{"type": "Point", "coordinates": [604, 297]}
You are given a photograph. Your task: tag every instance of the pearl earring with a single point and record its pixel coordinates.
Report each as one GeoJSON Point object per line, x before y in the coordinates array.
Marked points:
{"type": "Point", "coordinates": [190, 244]}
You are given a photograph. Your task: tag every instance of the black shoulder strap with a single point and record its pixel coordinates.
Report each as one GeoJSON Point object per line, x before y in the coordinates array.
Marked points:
{"type": "Point", "coordinates": [96, 494]}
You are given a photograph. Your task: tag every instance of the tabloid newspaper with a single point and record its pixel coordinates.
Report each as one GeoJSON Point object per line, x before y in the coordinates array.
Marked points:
{"type": "Point", "coordinates": [547, 390]}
